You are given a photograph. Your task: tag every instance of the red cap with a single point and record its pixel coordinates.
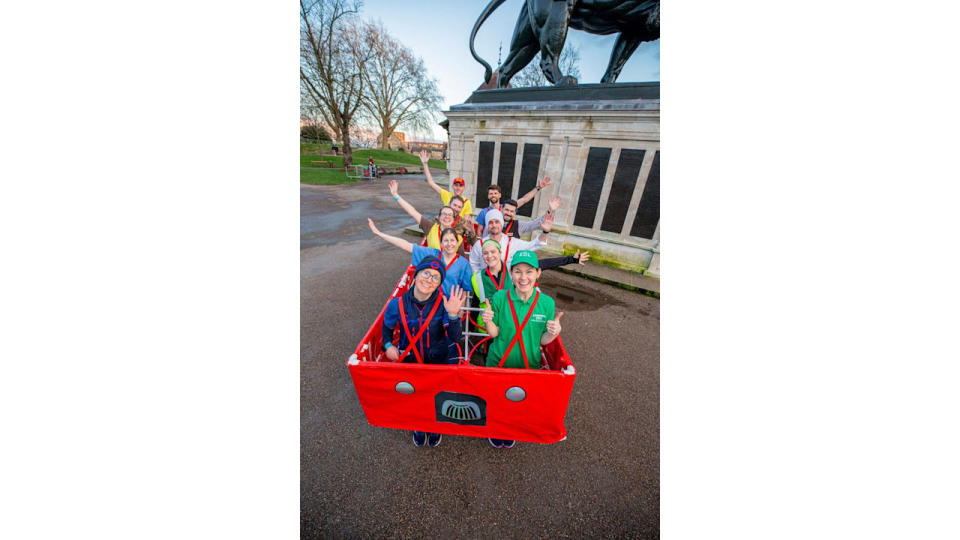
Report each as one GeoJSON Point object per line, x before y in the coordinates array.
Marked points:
{"type": "Point", "coordinates": [459, 180]}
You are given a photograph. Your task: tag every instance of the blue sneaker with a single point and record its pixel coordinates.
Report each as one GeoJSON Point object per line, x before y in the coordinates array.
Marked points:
{"type": "Point", "coordinates": [419, 438]}
{"type": "Point", "coordinates": [496, 443]}
{"type": "Point", "coordinates": [508, 444]}
{"type": "Point", "coordinates": [433, 439]}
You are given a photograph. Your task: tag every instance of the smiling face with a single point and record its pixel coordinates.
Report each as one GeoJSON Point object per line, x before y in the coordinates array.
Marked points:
{"type": "Point", "coordinates": [448, 243]}
{"type": "Point", "coordinates": [491, 256]}
{"type": "Point", "coordinates": [509, 211]}
{"type": "Point", "coordinates": [494, 195]}
{"type": "Point", "coordinates": [427, 281]}
{"type": "Point", "coordinates": [524, 277]}
{"type": "Point", "coordinates": [446, 217]}
{"type": "Point", "coordinates": [458, 188]}
{"type": "Point", "coordinates": [494, 227]}
{"type": "Point", "coordinates": [457, 206]}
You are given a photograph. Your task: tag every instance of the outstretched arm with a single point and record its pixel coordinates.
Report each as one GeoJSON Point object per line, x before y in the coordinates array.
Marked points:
{"type": "Point", "coordinates": [523, 227]}
{"type": "Point", "coordinates": [394, 188]}
{"type": "Point", "coordinates": [424, 158]}
{"type": "Point", "coordinates": [533, 192]}
{"type": "Point", "coordinates": [554, 262]}
{"type": "Point", "coordinates": [399, 242]}
{"type": "Point", "coordinates": [546, 225]}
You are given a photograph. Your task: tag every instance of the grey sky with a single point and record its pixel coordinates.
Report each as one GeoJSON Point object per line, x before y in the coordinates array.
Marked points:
{"type": "Point", "coordinates": [439, 31]}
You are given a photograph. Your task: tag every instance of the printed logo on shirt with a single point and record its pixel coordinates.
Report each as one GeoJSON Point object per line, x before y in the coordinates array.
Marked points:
{"type": "Point", "coordinates": [538, 317]}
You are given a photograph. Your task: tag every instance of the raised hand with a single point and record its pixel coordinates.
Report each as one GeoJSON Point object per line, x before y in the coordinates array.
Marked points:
{"type": "Point", "coordinates": [393, 354]}
{"type": "Point", "coordinates": [453, 304]}
{"type": "Point", "coordinates": [373, 227]}
{"type": "Point", "coordinates": [394, 187]}
{"type": "Point", "coordinates": [543, 183]}
{"type": "Point", "coordinates": [487, 315]}
{"type": "Point", "coordinates": [553, 327]}
{"type": "Point", "coordinates": [555, 203]}
{"type": "Point", "coordinates": [547, 223]}
{"type": "Point", "coordinates": [582, 258]}
{"type": "Point", "coordinates": [424, 157]}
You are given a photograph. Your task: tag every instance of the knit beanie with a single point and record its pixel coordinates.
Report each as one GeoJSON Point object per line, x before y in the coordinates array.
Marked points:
{"type": "Point", "coordinates": [431, 262]}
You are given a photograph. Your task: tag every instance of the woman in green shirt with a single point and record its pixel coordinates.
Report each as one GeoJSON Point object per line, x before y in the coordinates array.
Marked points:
{"type": "Point", "coordinates": [520, 321]}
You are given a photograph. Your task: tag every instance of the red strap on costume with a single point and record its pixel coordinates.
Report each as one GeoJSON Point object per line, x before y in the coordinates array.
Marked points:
{"type": "Point", "coordinates": [439, 241]}
{"type": "Point", "coordinates": [520, 327]}
{"type": "Point", "coordinates": [413, 340]}
{"type": "Point", "coordinates": [508, 227]}
{"type": "Point", "coordinates": [503, 276]}
{"type": "Point", "coordinates": [451, 260]}
{"type": "Point", "coordinates": [506, 254]}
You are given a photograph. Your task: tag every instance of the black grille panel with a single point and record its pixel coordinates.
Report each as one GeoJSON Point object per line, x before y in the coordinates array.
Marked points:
{"type": "Point", "coordinates": [463, 409]}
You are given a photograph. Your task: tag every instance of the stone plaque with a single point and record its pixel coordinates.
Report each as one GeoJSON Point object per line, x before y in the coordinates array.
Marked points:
{"type": "Point", "coordinates": [529, 168]}
{"type": "Point", "coordinates": [648, 213]}
{"type": "Point", "coordinates": [484, 174]}
{"type": "Point", "coordinates": [508, 163]}
{"type": "Point", "coordinates": [593, 175]}
{"type": "Point", "coordinates": [621, 190]}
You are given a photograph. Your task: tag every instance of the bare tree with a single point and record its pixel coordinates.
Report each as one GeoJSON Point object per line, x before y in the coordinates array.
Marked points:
{"type": "Point", "coordinates": [532, 75]}
{"type": "Point", "coordinates": [398, 90]}
{"type": "Point", "coordinates": [333, 52]}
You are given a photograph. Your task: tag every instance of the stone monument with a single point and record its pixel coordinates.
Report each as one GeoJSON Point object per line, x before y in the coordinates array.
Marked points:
{"type": "Point", "coordinates": [599, 143]}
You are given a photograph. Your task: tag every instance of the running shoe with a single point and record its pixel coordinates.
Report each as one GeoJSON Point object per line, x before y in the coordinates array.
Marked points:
{"type": "Point", "coordinates": [495, 443]}
{"type": "Point", "coordinates": [419, 438]}
{"type": "Point", "coordinates": [434, 439]}
{"type": "Point", "coordinates": [508, 444]}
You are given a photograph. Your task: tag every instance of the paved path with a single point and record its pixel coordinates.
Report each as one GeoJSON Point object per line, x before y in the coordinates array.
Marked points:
{"type": "Point", "coordinates": [363, 481]}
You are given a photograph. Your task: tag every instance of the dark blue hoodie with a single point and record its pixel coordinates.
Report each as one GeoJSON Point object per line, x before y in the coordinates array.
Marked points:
{"type": "Point", "coordinates": [437, 341]}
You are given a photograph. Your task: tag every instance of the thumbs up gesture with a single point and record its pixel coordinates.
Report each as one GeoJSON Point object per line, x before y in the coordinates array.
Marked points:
{"type": "Point", "coordinates": [553, 327]}
{"type": "Point", "coordinates": [487, 315]}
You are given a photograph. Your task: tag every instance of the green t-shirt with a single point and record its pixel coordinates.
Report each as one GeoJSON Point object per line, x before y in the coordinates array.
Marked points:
{"type": "Point", "coordinates": [536, 327]}
{"type": "Point", "coordinates": [489, 287]}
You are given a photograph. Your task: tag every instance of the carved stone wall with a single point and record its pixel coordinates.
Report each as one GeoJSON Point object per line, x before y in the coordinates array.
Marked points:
{"type": "Point", "coordinates": [603, 157]}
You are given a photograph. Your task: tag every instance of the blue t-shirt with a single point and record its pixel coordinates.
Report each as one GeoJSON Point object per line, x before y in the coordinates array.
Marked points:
{"type": "Point", "coordinates": [459, 272]}
{"type": "Point", "coordinates": [482, 216]}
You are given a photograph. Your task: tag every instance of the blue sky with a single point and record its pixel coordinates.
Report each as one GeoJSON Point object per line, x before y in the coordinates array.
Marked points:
{"type": "Point", "coordinates": [439, 31]}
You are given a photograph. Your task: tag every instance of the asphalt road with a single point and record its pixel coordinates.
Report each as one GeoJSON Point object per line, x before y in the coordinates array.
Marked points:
{"type": "Point", "coordinates": [363, 481]}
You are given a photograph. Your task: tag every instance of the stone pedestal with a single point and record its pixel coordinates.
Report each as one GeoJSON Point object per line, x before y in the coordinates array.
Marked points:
{"type": "Point", "coordinates": [599, 144]}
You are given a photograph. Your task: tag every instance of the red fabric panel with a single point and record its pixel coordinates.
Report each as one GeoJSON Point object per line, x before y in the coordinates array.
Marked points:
{"type": "Point", "coordinates": [537, 418]}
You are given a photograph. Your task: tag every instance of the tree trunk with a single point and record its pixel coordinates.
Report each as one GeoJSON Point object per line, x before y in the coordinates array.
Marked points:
{"type": "Point", "coordinates": [384, 138]}
{"type": "Point", "coordinates": [347, 150]}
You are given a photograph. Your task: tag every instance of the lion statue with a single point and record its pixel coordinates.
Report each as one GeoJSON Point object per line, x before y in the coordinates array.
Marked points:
{"type": "Point", "coordinates": [542, 27]}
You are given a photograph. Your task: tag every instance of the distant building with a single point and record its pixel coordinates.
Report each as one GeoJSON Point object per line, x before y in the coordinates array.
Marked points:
{"type": "Point", "coordinates": [438, 150]}
{"type": "Point", "coordinates": [397, 140]}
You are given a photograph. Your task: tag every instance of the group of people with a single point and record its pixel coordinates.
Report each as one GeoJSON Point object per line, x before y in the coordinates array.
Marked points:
{"type": "Point", "coordinates": [486, 256]}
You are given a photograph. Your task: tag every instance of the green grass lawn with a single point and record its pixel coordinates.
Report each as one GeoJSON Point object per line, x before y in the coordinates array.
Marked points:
{"type": "Point", "coordinates": [380, 157]}
{"type": "Point", "coordinates": [306, 159]}
{"type": "Point", "coordinates": [325, 177]}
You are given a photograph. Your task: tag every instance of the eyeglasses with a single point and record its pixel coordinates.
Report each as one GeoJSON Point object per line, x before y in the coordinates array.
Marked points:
{"type": "Point", "coordinates": [433, 277]}
{"type": "Point", "coordinates": [446, 215]}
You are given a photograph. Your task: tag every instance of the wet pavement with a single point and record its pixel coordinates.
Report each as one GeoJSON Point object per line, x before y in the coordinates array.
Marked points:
{"type": "Point", "coordinates": [362, 481]}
